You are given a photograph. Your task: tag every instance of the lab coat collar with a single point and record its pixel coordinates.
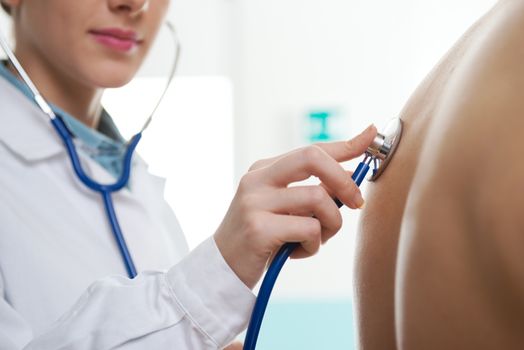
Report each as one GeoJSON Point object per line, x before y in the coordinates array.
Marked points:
{"type": "Point", "coordinates": [24, 128]}
{"type": "Point", "coordinates": [28, 133]}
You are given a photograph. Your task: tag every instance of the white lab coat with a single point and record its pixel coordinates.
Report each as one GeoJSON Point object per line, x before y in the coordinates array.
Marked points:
{"type": "Point", "coordinates": [62, 280]}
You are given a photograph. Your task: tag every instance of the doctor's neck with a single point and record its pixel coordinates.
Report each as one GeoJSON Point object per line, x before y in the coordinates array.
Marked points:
{"type": "Point", "coordinates": [79, 100]}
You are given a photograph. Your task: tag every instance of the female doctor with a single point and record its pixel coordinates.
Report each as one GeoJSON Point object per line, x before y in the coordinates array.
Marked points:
{"type": "Point", "coordinates": [63, 284]}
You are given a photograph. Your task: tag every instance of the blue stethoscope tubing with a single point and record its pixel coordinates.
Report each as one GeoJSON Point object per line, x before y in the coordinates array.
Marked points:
{"type": "Point", "coordinates": [275, 267]}
{"type": "Point", "coordinates": [105, 191]}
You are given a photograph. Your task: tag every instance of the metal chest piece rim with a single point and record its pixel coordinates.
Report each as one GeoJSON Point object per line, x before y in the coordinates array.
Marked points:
{"type": "Point", "coordinates": [384, 146]}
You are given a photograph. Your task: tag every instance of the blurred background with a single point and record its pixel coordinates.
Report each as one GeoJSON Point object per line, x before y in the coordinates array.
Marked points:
{"type": "Point", "coordinates": [257, 78]}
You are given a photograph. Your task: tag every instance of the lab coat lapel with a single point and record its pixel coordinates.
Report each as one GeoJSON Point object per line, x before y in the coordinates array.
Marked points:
{"type": "Point", "coordinates": [25, 129]}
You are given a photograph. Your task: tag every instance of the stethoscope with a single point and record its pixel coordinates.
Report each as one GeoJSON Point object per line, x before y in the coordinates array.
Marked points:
{"type": "Point", "coordinates": [105, 190]}
{"type": "Point", "coordinates": [378, 155]}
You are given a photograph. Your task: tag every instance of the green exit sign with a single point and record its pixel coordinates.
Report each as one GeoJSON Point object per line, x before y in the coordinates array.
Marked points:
{"type": "Point", "coordinates": [319, 126]}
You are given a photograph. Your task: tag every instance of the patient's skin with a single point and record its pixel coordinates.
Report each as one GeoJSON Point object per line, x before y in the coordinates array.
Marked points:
{"type": "Point", "coordinates": [440, 248]}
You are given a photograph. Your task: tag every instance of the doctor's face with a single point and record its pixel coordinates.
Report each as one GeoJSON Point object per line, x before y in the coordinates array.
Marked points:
{"type": "Point", "coordinates": [98, 43]}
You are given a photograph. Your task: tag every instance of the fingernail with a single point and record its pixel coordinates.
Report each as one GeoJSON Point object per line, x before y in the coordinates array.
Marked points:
{"type": "Point", "coordinates": [366, 130]}
{"type": "Point", "coordinates": [359, 201]}
{"type": "Point", "coordinates": [371, 126]}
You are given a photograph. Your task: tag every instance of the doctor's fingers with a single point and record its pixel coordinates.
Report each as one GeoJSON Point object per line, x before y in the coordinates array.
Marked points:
{"type": "Point", "coordinates": [329, 191]}
{"type": "Point", "coordinates": [307, 162]}
{"type": "Point", "coordinates": [341, 151]}
{"type": "Point", "coordinates": [289, 229]}
{"type": "Point", "coordinates": [312, 201]}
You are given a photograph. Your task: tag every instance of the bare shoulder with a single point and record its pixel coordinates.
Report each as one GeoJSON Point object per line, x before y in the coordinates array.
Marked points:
{"type": "Point", "coordinates": [460, 272]}
{"type": "Point", "coordinates": [475, 137]}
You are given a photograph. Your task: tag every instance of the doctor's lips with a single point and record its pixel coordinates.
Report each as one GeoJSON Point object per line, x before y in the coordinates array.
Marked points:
{"type": "Point", "coordinates": [116, 38]}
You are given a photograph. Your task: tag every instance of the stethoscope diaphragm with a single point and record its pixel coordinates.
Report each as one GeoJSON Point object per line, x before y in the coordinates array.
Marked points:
{"type": "Point", "coordinates": [384, 146]}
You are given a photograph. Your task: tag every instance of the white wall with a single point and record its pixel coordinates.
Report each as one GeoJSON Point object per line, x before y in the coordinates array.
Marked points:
{"type": "Point", "coordinates": [204, 27]}
{"type": "Point", "coordinates": [363, 57]}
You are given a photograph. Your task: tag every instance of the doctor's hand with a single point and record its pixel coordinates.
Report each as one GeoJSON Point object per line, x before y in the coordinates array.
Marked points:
{"type": "Point", "coordinates": [266, 213]}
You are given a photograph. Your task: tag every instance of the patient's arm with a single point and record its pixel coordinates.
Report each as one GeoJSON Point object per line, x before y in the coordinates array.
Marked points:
{"type": "Point", "coordinates": [460, 268]}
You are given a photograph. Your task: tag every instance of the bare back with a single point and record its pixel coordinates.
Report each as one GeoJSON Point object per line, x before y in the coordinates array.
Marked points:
{"type": "Point", "coordinates": [385, 214]}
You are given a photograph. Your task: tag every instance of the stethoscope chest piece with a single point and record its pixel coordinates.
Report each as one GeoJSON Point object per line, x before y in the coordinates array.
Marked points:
{"type": "Point", "coordinates": [384, 146]}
